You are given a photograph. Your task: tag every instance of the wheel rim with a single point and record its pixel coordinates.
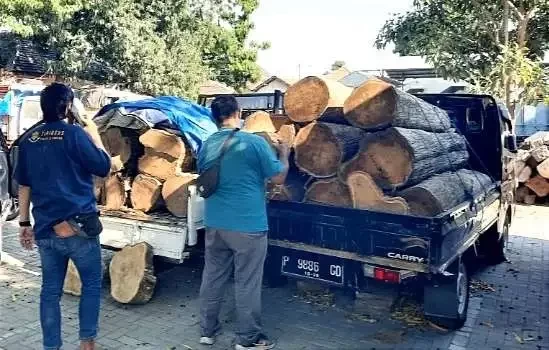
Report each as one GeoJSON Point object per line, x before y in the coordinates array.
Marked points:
{"type": "Point", "coordinates": [461, 291]}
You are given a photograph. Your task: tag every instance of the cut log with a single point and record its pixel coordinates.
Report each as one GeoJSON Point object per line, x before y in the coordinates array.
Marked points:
{"type": "Point", "coordinates": [116, 164]}
{"type": "Point", "coordinates": [163, 166]}
{"type": "Point", "coordinates": [543, 169]}
{"type": "Point", "coordinates": [366, 195]}
{"type": "Point", "coordinates": [376, 104]}
{"type": "Point", "coordinates": [146, 193]}
{"type": "Point", "coordinates": [98, 188]}
{"type": "Point", "coordinates": [397, 157]}
{"type": "Point", "coordinates": [532, 162]}
{"type": "Point", "coordinates": [530, 199]}
{"type": "Point", "coordinates": [176, 193]}
{"type": "Point", "coordinates": [314, 97]}
{"type": "Point", "coordinates": [287, 134]}
{"type": "Point", "coordinates": [329, 192]}
{"type": "Point", "coordinates": [165, 143]}
{"type": "Point", "coordinates": [114, 192]}
{"type": "Point", "coordinates": [320, 148]}
{"type": "Point", "coordinates": [259, 122]}
{"type": "Point", "coordinates": [132, 274]}
{"type": "Point", "coordinates": [445, 191]}
{"type": "Point", "coordinates": [279, 120]}
{"type": "Point", "coordinates": [73, 284]}
{"type": "Point", "coordinates": [524, 174]}
{"type": "Point", "coordinates": [540, 153]}
{"type": "Point", "coordinates": [521, 193]}
{"type": "Point", "coordinates": [116, 144]}
{"type": "Point", "coordinates": [293, 189]}
{"type": "Point", "coordinates": [539, 185]}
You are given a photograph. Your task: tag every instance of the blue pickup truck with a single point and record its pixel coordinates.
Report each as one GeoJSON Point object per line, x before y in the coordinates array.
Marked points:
{"type": "Point", "coordinates": [352, 248]}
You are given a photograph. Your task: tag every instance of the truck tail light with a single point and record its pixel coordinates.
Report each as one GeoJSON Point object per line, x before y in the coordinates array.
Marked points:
{"type": "Point", "coordinates": [386, 275]}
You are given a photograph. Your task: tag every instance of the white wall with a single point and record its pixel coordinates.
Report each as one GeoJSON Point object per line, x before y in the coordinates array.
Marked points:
{"type": "Point", "coordinates": [274, 85]}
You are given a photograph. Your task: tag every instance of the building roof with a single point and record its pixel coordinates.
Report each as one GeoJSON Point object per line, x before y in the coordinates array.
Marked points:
{"type": "Point", "coordinates": [212, 87]}
{"type": "Point", "coordinates": [337, 74]}
{"type": "Point", "coordinates": [23, 55]}
{"type": "Point", "coordinates": [265, 82]}
{"type": "Point", "coordinates": [357, 78]}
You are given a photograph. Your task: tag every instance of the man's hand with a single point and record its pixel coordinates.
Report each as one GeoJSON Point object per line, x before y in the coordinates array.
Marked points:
{"type": "Point", "coordinates": [64, 230]}
{"type": "Point", "coordinates": [26, 237]}
{"type": "Point", "coordinates": [283, 150]}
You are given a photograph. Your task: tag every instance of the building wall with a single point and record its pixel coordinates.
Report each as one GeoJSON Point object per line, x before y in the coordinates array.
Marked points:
{"type": "Point", "coordinates": [274, 85]}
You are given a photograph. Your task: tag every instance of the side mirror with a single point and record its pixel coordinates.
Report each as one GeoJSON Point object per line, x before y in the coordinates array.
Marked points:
{"type": "Point", "coordinates": [510, 143]}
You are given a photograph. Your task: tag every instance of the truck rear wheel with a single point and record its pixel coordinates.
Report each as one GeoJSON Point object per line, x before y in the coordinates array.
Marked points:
{"type": "Point", "coordinates": [493, 246]}
{"type": "Point", "coordinates": [446, 299]}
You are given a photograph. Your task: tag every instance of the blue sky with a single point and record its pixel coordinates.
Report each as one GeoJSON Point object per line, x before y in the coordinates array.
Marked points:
{"type": "Point", "coordinates": [310, 35]}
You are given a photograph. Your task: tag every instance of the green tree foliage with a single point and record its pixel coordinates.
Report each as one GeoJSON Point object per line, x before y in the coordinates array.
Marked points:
{"type": "Point", "coordinates": [153, 46]}
{"type": "Point", "coordinates": [464, 40]}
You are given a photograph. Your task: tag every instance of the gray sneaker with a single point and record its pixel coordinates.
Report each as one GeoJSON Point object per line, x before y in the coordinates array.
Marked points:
{"type": "Point", "coordinates": [262, 343]}
{"type": "Point", "coordinates": [207, 340]}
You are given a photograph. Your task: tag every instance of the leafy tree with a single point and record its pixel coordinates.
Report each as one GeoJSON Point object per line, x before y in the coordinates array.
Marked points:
{"type": "Point", "coordinates": [338, 64]}
{"type": "Point", "coordinates": [153, 46]}
{"type": "Point", "coordinates": [464, 39]}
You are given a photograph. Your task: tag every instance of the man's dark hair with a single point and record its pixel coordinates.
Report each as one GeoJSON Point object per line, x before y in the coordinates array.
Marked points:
{"type": "Point", "coordinates": [54, 100]}
{"type": "Point", "coordinates": [223, 107]}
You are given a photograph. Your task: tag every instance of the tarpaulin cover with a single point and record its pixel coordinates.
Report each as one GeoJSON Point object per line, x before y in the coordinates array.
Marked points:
{"type": "Point", "coordinates": [193, 120]}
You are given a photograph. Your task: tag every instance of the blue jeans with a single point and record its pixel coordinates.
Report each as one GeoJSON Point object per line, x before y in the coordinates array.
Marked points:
{"type": "Point", "coordinates": [54, 255]}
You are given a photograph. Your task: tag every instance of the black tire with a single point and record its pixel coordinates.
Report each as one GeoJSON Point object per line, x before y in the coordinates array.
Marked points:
{"type": "Point", "coordinates": [14, 210]}
{"type": "Point", "coordinates": [493, 246]}
{"type": "Point", "coordinates": [272, 276]}
{"type": "Point", "coordinates": [447, 301]}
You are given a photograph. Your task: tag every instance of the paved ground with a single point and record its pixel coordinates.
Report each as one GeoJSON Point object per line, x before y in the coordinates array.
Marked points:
{"type": "Point", "coordinates": [509, 309]}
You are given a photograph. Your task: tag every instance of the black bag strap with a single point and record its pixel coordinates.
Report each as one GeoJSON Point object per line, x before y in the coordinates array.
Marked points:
{"type": "Point", "coordinates": [225, 146]}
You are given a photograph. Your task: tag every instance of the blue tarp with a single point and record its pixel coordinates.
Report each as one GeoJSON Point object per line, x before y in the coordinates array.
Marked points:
{"type": "Point", "coordinates": [193, 120]}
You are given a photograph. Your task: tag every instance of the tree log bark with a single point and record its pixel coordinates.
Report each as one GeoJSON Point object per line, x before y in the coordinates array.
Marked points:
{"type": "Point", "coordinates": [98, 188]}
{"type": "Point", "coordinates": [132, 274]}
{"type": "Point", "coordinates": [376, 104]}
{"type": "Point", "coordinates": [314, 97]}
{"type": "Point", "coordinates": [146, 194]}
{"type": "Point", "coordinates": [259, 122]}
{"type": "Point", "coordinates": [445, 191]}
{"type": "Point", "coordinates": [543, 169]}
{"type": "Point", "coordinates": [366, 195]}
{"type": "Point", "coordinates": [540, 153]}
{"type": "Point", "coordinates": [176, 193]}
{"type": "Point", "coordinates": [330, 192]}
{"type": "Point", "coordinates": [114, 192]}
{"type": "Point", "coordinates": [320, 148]}
{"type": "Point", "coordinates": [522, 193]}
{"type": "Point", "coordinates": [539, 185]}
{"type": "Point", "coordinates": [397, 157]}
{"type": "Point", "coordinates": [293, 190]}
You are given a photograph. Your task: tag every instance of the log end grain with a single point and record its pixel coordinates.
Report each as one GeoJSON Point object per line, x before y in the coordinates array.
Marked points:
{"type": "Point", "coordinates": [317, 151]}
{"type": "Point", "coordinates": [163, 166]}
{"type": "Point", "coordinates": [329, 192]}
{"type": "Point", "coordinates": [287, 134]}
{"type": "Point", "coordinates": [164, 142]}
{"type": "Point", "coordinates": [146, 193]}
{"type": "Point", "coordinates": [543, 169]}
{"type": "Point", "coordinates": [539, 185]}
{"type": "Point", "coordinates": [72, 284]}
{"type": "Point", "coordinates": [307, 99]}
{"type": "Point", "coordinates": [114, 192]}
{"type": "Point", "coordinates": [175, 193]}
{"type": "Point", "coordinates": [259, 122]}
{"type": "Point", "coordinates": [132, 274]}
{"type": "Point", "coordinates": [366, 194]}
{"type": "Point", "coordinates": [371, 105]}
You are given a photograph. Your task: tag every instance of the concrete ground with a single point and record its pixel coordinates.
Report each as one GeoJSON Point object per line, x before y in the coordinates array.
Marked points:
{"type": "Point", "coordinates": [508, 310]}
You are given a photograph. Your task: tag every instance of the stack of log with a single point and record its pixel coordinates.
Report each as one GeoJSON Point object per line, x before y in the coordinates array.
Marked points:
{"type": "Point", "coordinates": [374, 147]}
{"type": "Point", "coordinates": [150, 170]}
{"type": "Point", "coordinates": [531, 168]}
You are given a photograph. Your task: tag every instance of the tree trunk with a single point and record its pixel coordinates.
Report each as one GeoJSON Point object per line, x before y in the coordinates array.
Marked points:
{"type": "Point", "coordinates": [279, 120]}
{"type": "Point", "coordinates": [320, 148]}
{"type": "Point", "coordinates": [98, 188]}
{"type": "Point", "coordinates": [259, 122]}
{"type": "Point", "coordinates": [132, 274]}
{"type": "Point", "coordinates": [397, 157]}
{"type": "Point", "coordinates": [366, 195]}
{"type": "Point", "coordinates": [287, 134]}
{"type": "Point", "coordinates": [314, 97]}
{"type": "Point", "coordinates": [330, 192]}
{"type": "Point", "coordinates": [539, 185]}
{"type": "Point", "coordinates": [116, 164]}
{"type": "Point", "coordinates": [376, 104]}
{"type": "Point", "coordinates": [73, 284]}
{"type": "Point", "coordinates": [543, 169]}
{"type": "Point", "coordinates": [445, 191]}
{"type": "Point", "coordinates": [521, 193]}
{"type": "Point", "coordinates": [166, 143]}
{"type": "Point", "coordinates": [116, 144]}
{"type": "Point", "coordinates": [524, 174]}
{"type": "Point", "coordinates": [114, 192]}
{"type": "Point", "coordinates": [146, 194]}
{"type": "Point", "coordinates": [176, 193]}
{"type": "Point", "coordinates": [162, 165]}
{"type": "Point", "coordinates": [293, 189]}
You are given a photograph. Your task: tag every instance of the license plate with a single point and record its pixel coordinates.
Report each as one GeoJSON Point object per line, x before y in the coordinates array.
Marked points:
{"type": "Point", "coordinates": [318, 267]}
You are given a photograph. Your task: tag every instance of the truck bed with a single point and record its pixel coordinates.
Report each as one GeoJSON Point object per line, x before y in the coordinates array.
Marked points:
{"type": "Point", "coordinates": [400, 241]}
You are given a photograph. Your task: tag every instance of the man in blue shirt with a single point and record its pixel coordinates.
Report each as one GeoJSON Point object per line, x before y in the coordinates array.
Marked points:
{"type": "Point", "coordinates": [56, 164]}
{"type": "Point", "coordinates": [236, 224]}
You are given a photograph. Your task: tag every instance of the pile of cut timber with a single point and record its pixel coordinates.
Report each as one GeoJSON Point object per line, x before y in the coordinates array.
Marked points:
{"type": "Point", "coordinates": [531, 167]}
{"type": "Point", "coordinates": [143, 165]}
{"type": "Point", "coordinates": [376, 148]}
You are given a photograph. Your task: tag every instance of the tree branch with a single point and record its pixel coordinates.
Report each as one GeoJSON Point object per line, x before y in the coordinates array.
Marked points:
{"type": "Point", "coordinates": [515, 10]}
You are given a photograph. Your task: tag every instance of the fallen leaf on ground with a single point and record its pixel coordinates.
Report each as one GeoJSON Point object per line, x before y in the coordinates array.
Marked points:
{"type": "Point", "coordinates": [487, 324]}
{"type": "Point", "coordinates": [438, 328]}
{"type": "Point", "coordinates": [518, 339]}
